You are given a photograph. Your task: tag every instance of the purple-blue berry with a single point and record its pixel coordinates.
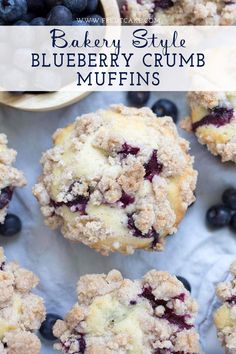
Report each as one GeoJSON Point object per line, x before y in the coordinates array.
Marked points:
{"type": "Point", "coordinates": [138, 98]}
{"type": "Point", "coordinates": [218, 216]}
{"type": "Point", "coordinates": [38, 21]}
{"type": "Point", "coordinates": [91, 6]}
{"type": "Point", "coordinates": [165, 107]}
{"type": "Point", "coordinates": [59, 16]}
{"type": "Point", "coordinates": [11, 226]}
{"type": "Point", "coordinates": [95, 20]}
{"type": "Point", "coordinates": [229, 198]}
{"type": "Point", "coordinates": [46, 329]}
{"type": "Point", "coordinates": [75, 6]}
{"type": "Point", "coordinates": [12, 10]}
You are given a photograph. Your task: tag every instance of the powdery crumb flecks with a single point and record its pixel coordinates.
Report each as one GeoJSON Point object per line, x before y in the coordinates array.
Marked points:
{"type": "Point", "coordinates": [117, 180]}
{"type": "Point", "coordinates": [10, 177]}
{"type": "Point", "coordinates": [179, 12]}
{"type": "Point", "coordinates": [115, 315]}
{"type": "Point", "coordinates": [21, 312]}
{"type": "Point", "coordinates": [225, 315]}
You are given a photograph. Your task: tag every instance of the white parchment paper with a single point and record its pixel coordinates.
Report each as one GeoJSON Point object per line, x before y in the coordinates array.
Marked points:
{"type": "Point", "coordinates": [195, 252]}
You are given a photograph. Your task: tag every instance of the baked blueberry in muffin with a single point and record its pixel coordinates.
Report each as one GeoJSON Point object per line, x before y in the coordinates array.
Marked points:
{"type": "Point", "coordinates": [21, 312]}
{"type": "Point", "coordinates": [225, 315]}
{"type": "Point", "coordinates": [117, 180]}
{"type": "Point", "coordinates": [180, 12]}
{"type": "Point", "coordinates": [154, 315]}
{"type": "Point", "coordinates": [10, 177]}
{"type": "Point", "coordinates": [212, 119]}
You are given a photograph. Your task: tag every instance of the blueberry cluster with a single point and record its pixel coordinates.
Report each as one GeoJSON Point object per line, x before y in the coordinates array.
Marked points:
{"type": "Point", "coordinates": [161, 108]}
{"type": "Point", "coordinates": [224, 214]}
{"type": "Point", "coordinates": [50, 13]}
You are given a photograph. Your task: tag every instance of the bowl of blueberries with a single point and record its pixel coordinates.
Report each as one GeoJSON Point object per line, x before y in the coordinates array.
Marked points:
{"type": "Point", "coordinates": [53, 13]}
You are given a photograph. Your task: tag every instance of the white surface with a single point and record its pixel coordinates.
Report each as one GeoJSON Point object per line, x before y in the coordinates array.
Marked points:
{"type": "Point", "coordinates": [200, 255]}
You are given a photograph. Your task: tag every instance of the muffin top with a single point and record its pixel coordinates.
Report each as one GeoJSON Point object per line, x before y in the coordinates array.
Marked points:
{"type": "Point", "coordinates": [115, 315]}
{"type": "Point", "coordinates": [180, 12]}
{"type": "Point", "coordinates": [117, 180]}
{"type": "Point", "coordinates": [10, 177]}
{"type": "Point", "coordinates": [21, 312]}
{"type": "Point", "coordinates": [225, 315]}
{"type": "Point", "coordinates": [213, 120]}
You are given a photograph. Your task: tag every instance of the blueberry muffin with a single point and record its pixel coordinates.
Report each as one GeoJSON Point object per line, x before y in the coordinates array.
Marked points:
{"type": "Point", "coordinates": [117, 180]}
{"type": "Point", "coordinates": [113, 315]}
{"type": "Point", "coordinates": [213, 120]}
{"type": "Point", "coordinates": [10, 177]}
{"type": "Point", "coordinates": [180, 12]}
{"type": "Point", "coordinates": [21, 312]}
{"type": "Point", "coordinates": [225, 316]}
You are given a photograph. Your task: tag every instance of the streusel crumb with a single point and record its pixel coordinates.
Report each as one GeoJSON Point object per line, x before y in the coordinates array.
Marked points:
{"type": "Point", "coordinates": [21, 312]}
{"type": "Point", "coordinates": [117, 180]}
{"type": "Point", "coordinates": [179, 12]}
{"type": "Point", "coordinates": [225, 315]}
{"type": "Point", "coordinates": [10, 177]}
{"type": "Point", "coordinates": [113, 315]}
{"type": "Point", "coordinates": [213, 120]}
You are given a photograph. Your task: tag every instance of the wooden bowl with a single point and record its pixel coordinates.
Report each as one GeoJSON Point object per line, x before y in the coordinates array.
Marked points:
{"type": "Point", "coordinates": [55, 100]}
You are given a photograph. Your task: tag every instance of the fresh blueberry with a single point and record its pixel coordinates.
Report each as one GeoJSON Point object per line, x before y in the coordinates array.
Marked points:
{"type": "Point", "coordinates": [12, 10]}
{"type": "Point", "coordinates": [95, 20]}
{"type": "Point", "coordinates": [51, 3]}
{"type": "Point", "coordinates": [46, 329]}
{"type": "Point", "coordinates": [138, 98]}
{"type": "Point", "coordinates": [36, 6]}
{"type": "Point", "coordinates": [218, 216]}
{"type": "Point", "coordinates": [233, 223]}
{"type": "Point", "coordinates": [91, 6]}
{"type": "Point", "coordinates": [38, 21]}
{"type": "Point", "coordinates": [185, 282]}
{"type": "Point", "coordinates": [164, 107]}
{"type": "Point", "coordinates": [2, 23]}
{"type": "Point", "coordinates": [76, 6]}
{"type": "Point", "coordinates": [79, 22]}
{"type": "Point", "coordinates": [229, 198]}
{"type": "Point", "coordinates": [28, 17]}
{"type": "Point", "coordinates": [59, 16]}
{"type": "Point", "coordinates": [21, 23]}
{"type": "Point", "coordinates": [11, 226]}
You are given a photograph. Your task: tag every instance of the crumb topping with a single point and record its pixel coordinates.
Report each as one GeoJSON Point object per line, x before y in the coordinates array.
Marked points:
{"type": "Point", "coordinates": [213, 120]}
{"type": "Point", "coordinates": [21, 312]}
{"type": "Point", "coordinates": [10, 177]}
{"type": "Point", "coordinates": [225, 315]}
{"type": "Point", "coordinates": [117, 180]}
{"type": "Point", "coordinates": [180, 12]}
{"type": "Point", "coordinates": [115, 315]}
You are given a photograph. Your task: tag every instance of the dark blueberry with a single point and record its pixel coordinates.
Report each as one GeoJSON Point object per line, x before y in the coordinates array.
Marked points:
{"type": "Point", "coordinates": [75, 6]}
{"type": "Point", "coordinates": [95, 20]}
{"type": "Point", "coordinates": [11, 226]}
{"type": "Point", "coordinates": [46, 329]}
{"type": "Point", "coordinates": [229, 198]}
{"type": "Point", "coordinates": [51, 3]}
{"type": "Point", "coordinates": [138, 98]}
{"type": "Point", "coordinates": [126, 199]}
{"type": "Point", "coordinates": [5, 196]}
{"type": "Point", "coordinates": [128, 150]}
{"type": "Point", "coordinates": [185, 282]}
{"type": "Point", "coordinates": [163, 4]}
{"type": "Point", "coordinates": [21, 23]}
{"type": "Point", "coordinates": [28, 17]}
{"type": "Point", "coordinates": [12, 10]}
{"type": "Point", "coordinates": [164, 107]}
{"type": "Point", "coordinates": [36, 6]}
{"type": "Point", "coordinates": [38, 21]}
{"type": "Point", "coordinates": [218, 216]}
{"type": "Point", "coordinates": [153, 167]}
{"type": "Point", "coordinates": [91, 6]}
{"type": "Point", "coordinates": [217, 116]}
{"type": "Point", "coordinates": [2, 23]}
{"type": "Point", "coordinates": [59, 16]}
{"type": "Point", "coordinates": [233, 223]}
{"type": "Point", "coordinates": [79, 22]}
